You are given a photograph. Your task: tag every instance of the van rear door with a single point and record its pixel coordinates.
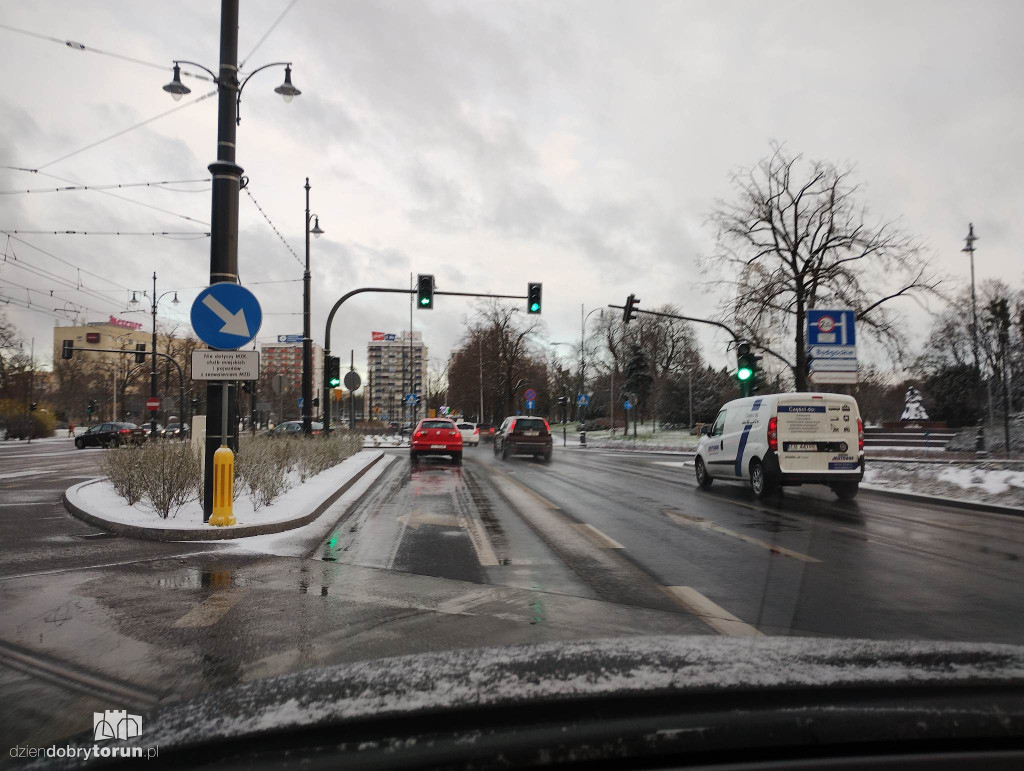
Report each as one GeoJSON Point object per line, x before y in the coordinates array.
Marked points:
{"type": "Point", "coordinates": [817, 434]}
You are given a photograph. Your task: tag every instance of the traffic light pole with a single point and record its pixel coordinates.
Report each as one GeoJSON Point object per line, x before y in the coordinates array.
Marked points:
{"type": "Point", "coordinates": [381, 290]}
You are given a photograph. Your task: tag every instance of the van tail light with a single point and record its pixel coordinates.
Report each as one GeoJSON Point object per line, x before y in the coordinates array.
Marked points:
{"type": "Point", "coordinates": [860, 435]}
{"type": "Point", "coordinates": [547, 426]}
{"type": "Point", "coordinates": [476, 430]}
{"type": "Point", "coordinates": [773, 434]}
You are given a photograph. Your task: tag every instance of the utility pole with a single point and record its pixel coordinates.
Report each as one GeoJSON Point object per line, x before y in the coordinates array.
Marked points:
{"type": "Point", "coordinates": [152, 369]}
{"type": "Point", "coordinates": [307, 342]}
{"type": "Point", "coordinates": [220, 396]}
{"type": "Point", "coordinates": [969, 249]}
{"type": "Point", "coordinates": [480, 344]}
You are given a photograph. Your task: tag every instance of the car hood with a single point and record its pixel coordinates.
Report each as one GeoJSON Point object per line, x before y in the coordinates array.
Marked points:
{"type": "Point", "coordinates": [421, 685]}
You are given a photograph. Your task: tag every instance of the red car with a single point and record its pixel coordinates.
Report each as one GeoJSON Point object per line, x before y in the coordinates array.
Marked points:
{"type": "Point", "coordinates": [436, 436]}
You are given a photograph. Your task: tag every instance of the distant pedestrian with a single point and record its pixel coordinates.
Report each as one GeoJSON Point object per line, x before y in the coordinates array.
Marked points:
{"type": "Point", "coordinates": [71, 428]}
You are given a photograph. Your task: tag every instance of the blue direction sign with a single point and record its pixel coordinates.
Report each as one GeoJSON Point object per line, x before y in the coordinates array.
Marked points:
{"type": "Point", "coordinates": [300, 401]}
{"type": "Point", "coordinates": [226, 316]}
{"type": "Point", "coordinates": [529, 395]}
{"type": "Point", "coordinates": [530, 404]}
{"type": "Point", "coordinates": [627, 405]}
{"type": "Point", "coordinates": [830, 328]}
{"type": "Point", "coordinates": [582, 399]}
{"type": "Point", "coordinates": [411, 398]}
{"type": "Point", "coordinates": [289, 338]}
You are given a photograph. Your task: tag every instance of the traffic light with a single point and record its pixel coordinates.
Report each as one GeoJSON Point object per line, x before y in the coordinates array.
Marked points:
{"type": "Point", "coordinates": [424, 292]}
{"type": "Point", "coordinates": [746, 369]}
{"type": "Point", "coordinates": [140, 353]}
{"type": "Point", "coordinates": [68, 349]}
{"type": "Point", "coordinates": [334, 369]}
{"type": "Point", "coordinates": [90, 407]}
{"type": "Point", "coordinates": [316, 401]}
{"type": "Point", "coordinates": [32, 407]}
{"type": "Point", "coordinates": [629, 312]}
{"type": "Point", "coordinates": [533, 298]}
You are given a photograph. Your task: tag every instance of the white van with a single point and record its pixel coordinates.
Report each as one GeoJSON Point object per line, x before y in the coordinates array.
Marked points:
{"type": "Point", "coordinates": [785, 439]}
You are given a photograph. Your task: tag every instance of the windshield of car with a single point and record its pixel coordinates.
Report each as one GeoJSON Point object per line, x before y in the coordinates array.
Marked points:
{"type": "Point", "coordinates": [614, 321]}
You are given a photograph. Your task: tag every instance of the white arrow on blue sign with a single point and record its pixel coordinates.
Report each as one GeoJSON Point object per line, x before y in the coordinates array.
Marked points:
{"type": "Point", "coordinates": [530, 404]}
{"type": "Point", "coordinates": [226, 316]}
{"type": "Point", "coordinates": [627, 405]}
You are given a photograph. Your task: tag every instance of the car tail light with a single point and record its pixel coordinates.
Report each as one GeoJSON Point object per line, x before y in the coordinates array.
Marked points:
{"type": "Point", "coordinates": [454, 433]}
{"type": "Point", "coordinates": [512, 427]}
{"type": "Point", "coordinates": [125, 431]}
{"type": "Point", "coordinates": [860, 435]}
{"type": "Point", "coordinates": [547, 426]}
{"type": "Point", "coordinates": [491, 430]}
{"type": "Point", "coordinates": [418, 434]}
{"type": "Point", "coordinates": [476, 430]}
{"type": "Point", "coordinates": [773, 434]}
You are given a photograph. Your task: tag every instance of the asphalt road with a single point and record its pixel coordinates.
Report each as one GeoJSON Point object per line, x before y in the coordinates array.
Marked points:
{"type": "Point", "coordinates": [595, 544]}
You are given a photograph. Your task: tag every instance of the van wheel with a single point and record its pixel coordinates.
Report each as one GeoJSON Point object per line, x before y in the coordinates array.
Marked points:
{"type": "Point", "coordinates": [759, 480]}
{"type": "Point", "coordinates": [845, 491]}
{"type": "Point", "coordinates": [704, 479]}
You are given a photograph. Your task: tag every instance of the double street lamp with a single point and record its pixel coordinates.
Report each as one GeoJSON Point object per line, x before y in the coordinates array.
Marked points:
{"type": "Point", "coordinates": [227, 175]}
{"type": "Point", "coordinates": [154, 301]}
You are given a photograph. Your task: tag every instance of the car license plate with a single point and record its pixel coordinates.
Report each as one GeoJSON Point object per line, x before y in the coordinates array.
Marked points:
{"type": "Point", "coordinates": [530, 433]}
{"type": "Point", "coordinates": [437, 447]}
{"type": "Point", "coordinates": [803, 447]}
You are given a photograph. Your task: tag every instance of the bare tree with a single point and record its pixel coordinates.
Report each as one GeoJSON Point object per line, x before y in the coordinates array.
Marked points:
{"type": "Point", "coordinates": [795, 239]}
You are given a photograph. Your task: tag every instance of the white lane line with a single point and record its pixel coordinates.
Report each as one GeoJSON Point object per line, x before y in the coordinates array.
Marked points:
{"type": "Point", "coordinates": [31, 473]}
{"type": "Point", "coordinates": [670, 463]}
{"type": "Point", "coordinates": [482, 545]}
{"type": "Point", "coordinates": [712, 614]}
{"type": "Point", "coordinates": [707, 524]}
{"type": "Point", "coordinates": [209, 612]}
{"type": "Point", "coordinates": [604, 541]}
{"type": "Point", "coordinates": [34, 503]}
{"type": "Point", "coordinates": [105, 565]}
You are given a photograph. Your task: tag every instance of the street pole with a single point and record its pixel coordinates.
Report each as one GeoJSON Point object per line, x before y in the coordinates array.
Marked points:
{"type": "Point", "coordinates": [152, 370]}
{"type": "Point", "coordinates": [579, 407]}
{"type": "Point", "coordinates": [307, 342]}
{"type": "Point", "coordinates": [480, 344]}
{"type": "Point", "coordinates": [689, 392]}
{"type": "Point", "coordinates": [969, 248]}
{"type": "Point", "coordinates": [223, 233]}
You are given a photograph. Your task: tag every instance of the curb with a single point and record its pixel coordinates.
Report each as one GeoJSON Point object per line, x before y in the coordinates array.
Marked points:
{"type": "Point", "coordinates": [956, 503]}
{"type": "Point", "coordinates": [243, 531]}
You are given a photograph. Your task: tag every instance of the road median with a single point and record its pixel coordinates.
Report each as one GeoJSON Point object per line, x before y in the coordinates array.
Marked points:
{"type": "Point", "coordinates": [92, 503]}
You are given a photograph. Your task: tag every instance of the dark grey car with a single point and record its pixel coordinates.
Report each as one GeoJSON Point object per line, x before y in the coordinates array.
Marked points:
{"type": "Point", "coordinates": [521, 435]}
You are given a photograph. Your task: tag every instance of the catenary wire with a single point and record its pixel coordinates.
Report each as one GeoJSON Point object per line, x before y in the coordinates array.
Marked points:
{"type": "Point", "coordinates": [267, 33]}
{"type": "Point", "coordinates": [112, 186]}
{"type": "Point", "coordinates": [273, 227]}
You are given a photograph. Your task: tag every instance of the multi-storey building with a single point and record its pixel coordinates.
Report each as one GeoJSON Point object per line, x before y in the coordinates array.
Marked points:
{"type": "Point", "coordinates": [397, 366]}
{"type": "Point", "coordinates": [115, 333]}
{"type": "Point", "coordinates": [286, 359]}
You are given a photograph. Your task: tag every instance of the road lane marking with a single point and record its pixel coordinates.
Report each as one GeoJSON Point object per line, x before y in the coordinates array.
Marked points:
{"type": "Point", "coordinates": [31, 473]}
{"type": "Point", "coordinates": [712, 614]}
{"type": "Point", "coordinates": [209, 612]}
{"type": "Point", "coordinates": [485, 553]}
{"type": "Point", "coordinates": [707, 524]}
{"type": "Point", "coordinates": [671, 463]}
{"type": "Point", "coordinates": [604, 541]}
{"type": "Point", "coordinates": [36, 503]}
{"type": "Point", "coordinates": [106, 564]}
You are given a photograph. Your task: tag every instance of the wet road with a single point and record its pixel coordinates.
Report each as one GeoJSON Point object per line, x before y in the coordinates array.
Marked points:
{"type": "Point", "coordinates": [595, 544]}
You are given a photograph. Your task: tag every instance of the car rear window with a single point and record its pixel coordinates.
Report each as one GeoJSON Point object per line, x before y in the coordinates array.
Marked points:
{"type": "Point", "coordinates": [466, 426]}
{"type": "Point", "coordinates": [438, 424]}
{"type": "Point", "coordinates": [529, 424]}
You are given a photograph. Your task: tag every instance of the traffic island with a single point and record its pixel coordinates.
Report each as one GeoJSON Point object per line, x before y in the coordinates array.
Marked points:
{"type": "Point", "coordinates": [95, 502]}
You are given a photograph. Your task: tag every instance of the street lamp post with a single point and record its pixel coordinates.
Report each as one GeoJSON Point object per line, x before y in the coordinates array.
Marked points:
{"type": "Point", "coordinates": [307, 341]}
{"type": "Point", "coordinates": [154, 300]}
{"type": "Point", "coordinates": [227, 176]}
{"type": "Point", "coordinates": [583, 333]}
{"type": "Point", "coordinates": [969, 249]}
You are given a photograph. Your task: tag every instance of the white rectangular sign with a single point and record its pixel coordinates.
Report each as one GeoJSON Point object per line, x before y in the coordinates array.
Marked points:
{"type": "Point", "coordinates": [833, 377]}
{"type": "Point", "coordinates": [834, 365]}
{"type": "Point", "coordinates": [834, 351]}
{"type": "Point", "coordinates": [225, 365]}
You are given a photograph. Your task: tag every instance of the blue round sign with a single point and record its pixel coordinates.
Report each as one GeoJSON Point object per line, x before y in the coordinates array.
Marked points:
{"type": "Point", "coordinates": [226, 316]}
{"type": "Point", "coordinates": [627, 405]}
{"type": "Point", "coordinates": [530, 404]}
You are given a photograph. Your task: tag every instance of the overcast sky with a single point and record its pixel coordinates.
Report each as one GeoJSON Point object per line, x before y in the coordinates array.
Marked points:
{"type": "Point", "coordinates": [581, 144]}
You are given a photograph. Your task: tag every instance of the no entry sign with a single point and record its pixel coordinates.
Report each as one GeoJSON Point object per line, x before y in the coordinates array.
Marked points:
{"type": "Point", "coordinates": [153, 403]}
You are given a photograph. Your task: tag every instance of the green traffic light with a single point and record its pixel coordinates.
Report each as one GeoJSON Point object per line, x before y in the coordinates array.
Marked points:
{"type": "Point", "coordinates": [744, 373]}
{"type": "Point", "coordinates": [424, 301]}
{"type": "Point", "coordinates": [335, 382]}
{"type": "Point", "coordinates": [535, 307]}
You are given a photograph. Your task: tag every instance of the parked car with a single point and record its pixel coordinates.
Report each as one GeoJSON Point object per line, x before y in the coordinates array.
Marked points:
{"type": "Point", "coordinates": [521, 435]}
{"type": "Point", "coordinates": [293, 428]}
{"type": "Point", "coordinates": [487, 431]}
{"type": "Point", "coordinates": [436, 436]}
{"type": "Point", "coordinates": [470, 433]}
{"type": "Point", "coordinates": [785, 439]}
{"type": "Point", "coordinates": [111, 435]}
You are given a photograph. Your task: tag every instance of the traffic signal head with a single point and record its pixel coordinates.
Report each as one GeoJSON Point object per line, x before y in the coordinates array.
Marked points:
{"type": "Point", "coordinates": [32, 407]}
{"type": "Point", "coordinates": [425, 291]}
{"type": "Point", "coordinates": [629, 312]}
{"type": "Point", "coordinates": [744, 363]}
{"type": "Point", "coordinates": [140, 353]}
{"type": "Point", "coordinates": [334, 371]}
{"type": "Point", "coordinates": [533, 298]}
{"type": "Point", "coordinates": [68, 349]}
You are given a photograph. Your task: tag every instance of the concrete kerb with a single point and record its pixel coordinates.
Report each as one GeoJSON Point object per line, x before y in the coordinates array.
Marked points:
{"type": "Point", "coordinates": [204, 534]}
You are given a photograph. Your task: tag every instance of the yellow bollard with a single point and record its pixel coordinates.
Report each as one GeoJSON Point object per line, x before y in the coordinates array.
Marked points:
{"type": "Point", "coordinates": [223, 487]}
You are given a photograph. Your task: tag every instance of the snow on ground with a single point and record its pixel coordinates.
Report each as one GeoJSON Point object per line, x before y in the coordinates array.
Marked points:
{"type": "Point", "coordinates": [384, 441]}
{"type": "Point", "coordinates": [646, 439]}
{"type": "Point", "coordinates": [988, 483]}
{"type": "Point", "coordinates": [99, 498]}
{"type": "Point", "coordinates": [298, 542]}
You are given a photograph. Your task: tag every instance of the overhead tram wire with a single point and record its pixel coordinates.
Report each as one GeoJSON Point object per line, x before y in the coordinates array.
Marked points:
{"type": "Point", "coordinates": [162, 233]}
{"type": "Point", "coordinates": [273, 227]}
{"type": "Point", "coordinates": [266, 34]}
{"type": "Point", "coordinates": [66, 262]}
{"type": "Point", "coordinates": [79, 307]}
{"type": "Point", "coordinates": [65, 285]}
{"type": "Point", "coordinates": [113, 186]}
{"type": "Point", "coordinates": [21, 304]}
{"type": "Point", "coordinates": [76, 46]}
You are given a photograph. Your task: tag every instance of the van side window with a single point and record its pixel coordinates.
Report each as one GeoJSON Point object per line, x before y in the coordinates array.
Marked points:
{"type": "Point", "coordinates": [719, 427]}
